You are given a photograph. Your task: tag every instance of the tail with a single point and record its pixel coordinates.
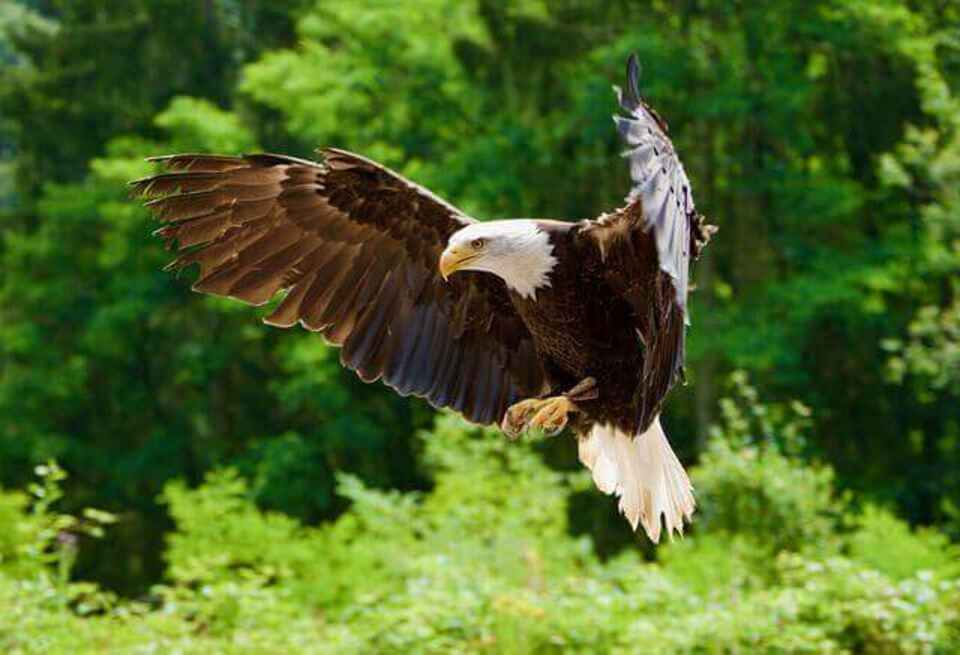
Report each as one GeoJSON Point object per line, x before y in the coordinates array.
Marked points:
{"type": "Point", "coordinates": [644, 473]}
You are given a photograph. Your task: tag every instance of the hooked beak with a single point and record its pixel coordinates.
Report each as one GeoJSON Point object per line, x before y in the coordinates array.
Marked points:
{"type": "Point", "coordinates": [453, 259]}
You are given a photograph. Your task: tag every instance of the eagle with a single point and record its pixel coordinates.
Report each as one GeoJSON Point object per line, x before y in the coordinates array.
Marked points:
{"type": "Point", "coordinates": [521, 323]}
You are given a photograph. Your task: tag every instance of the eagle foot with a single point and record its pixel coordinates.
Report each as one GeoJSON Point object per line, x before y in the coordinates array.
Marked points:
{"type": "Point", "coordinates": [700, 235]}
{"type": "Point", "coordinates": [515, 420]}
{"type": "Point", "coordinates": [549, 414]}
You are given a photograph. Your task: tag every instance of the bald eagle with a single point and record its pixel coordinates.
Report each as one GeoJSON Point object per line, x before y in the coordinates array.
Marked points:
{"type": "Point", "coordinates": [522, 323]}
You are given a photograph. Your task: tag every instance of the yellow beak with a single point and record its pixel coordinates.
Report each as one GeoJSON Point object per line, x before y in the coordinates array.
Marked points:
{"type": "Point", "coordinates": [453, 259]}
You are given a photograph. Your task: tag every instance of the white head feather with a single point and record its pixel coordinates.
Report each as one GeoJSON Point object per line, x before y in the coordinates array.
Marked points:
{"type": "Point", "coordinates": [516, 250]}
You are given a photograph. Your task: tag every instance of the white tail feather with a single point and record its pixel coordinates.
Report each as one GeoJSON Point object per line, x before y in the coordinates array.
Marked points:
{"type": "Point", "coordinates": [644, 472]}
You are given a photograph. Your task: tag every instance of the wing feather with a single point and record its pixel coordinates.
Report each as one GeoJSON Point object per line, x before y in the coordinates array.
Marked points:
{"type": "Point", "coordinates": [353, 248]}
{"type": "Point", "coordinates": [647, 246]}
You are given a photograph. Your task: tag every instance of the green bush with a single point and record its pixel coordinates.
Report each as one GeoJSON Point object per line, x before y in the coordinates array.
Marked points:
{"type": "Point", "coordinates": [751, 482]}
{"type": "Point", "coordinates": [483, 562]}
{"type": "Point", "coordinates": [883, 542]}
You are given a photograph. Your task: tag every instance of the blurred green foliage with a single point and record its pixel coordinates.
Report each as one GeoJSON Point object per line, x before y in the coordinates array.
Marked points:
{"type": "Point", "coordinates": [284, 504]}
{"type": "Point", "coordinates": [484, 562]}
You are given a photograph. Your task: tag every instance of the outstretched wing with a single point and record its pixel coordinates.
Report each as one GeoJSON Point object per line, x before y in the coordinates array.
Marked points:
{"type": "Point", "coordinates": [648, 244]}
{"type": "Point", "coordinates": [353, 247]}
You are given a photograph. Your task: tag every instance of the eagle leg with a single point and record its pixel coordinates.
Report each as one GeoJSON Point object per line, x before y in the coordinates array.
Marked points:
{"type": "Point", "coordinates": [585, 389]}
{"type": "Point", "coordinates": [549, 414]}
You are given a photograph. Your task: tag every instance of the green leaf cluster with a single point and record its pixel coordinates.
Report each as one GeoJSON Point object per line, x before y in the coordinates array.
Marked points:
{"type": "Point", "coordinates": [484, 562]}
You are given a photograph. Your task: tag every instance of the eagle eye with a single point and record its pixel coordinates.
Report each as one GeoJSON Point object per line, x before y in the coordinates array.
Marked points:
{"type": "Point", "coordinates": [477, 244]}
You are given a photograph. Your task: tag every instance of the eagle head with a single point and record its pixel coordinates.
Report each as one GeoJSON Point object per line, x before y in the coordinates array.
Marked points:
{"type": "Point", "coordinates": [517, 251]}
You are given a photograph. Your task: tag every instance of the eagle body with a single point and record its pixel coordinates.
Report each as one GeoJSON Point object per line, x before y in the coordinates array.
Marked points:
{"type": "Point", "coordinates": [519, 323]}
{"type": "Point", "coordinates": [583, 328]}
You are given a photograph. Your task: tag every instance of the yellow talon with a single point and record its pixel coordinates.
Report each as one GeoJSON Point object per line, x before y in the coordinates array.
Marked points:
{"type": "Point", "coordinates": [549, 414]}
{"type": "Point", "coordinates": [515, 420]}
{"type": "Point", "coordinates": [553, 415]}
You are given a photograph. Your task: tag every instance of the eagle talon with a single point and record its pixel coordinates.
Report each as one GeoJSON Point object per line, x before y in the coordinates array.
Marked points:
{"type": "Point", "coordinates": [553, 415]}
{"type": "Point", "coordinates": [549, 414]}
{"type": "Point", "coordinates": [516, 419]}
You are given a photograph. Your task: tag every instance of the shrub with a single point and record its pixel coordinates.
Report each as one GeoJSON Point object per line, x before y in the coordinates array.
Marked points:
{"type": "Point", "coordinates": [751, 481]}
{"type": "Point", "coordinates": [483, 563]}
{"type": "Point", "coordinates": [883, 542]}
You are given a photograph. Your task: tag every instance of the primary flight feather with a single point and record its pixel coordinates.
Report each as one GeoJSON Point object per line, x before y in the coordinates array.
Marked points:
{"type": "Point", "coordinates": [522, 323]}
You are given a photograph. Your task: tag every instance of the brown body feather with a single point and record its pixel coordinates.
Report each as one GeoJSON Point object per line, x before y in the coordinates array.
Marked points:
{"type": "Point", "coordinates": [610, 314]}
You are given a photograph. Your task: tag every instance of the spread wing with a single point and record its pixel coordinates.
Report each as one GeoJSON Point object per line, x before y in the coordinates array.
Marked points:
{"type": "Point", "coordinates": [648, 244]}
{"type": "Point", "coordinates": [354, 249]}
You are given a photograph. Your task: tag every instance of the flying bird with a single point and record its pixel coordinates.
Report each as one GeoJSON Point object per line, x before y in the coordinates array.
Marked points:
{"type": "Point", "coordinates": [522, 323]}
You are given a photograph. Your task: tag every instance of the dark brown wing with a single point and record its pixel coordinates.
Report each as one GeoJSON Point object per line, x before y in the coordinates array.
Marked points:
{"type": "Point", "coordinates": [354, 247]}
{"type": "Point", "coordinates": [648, 244]}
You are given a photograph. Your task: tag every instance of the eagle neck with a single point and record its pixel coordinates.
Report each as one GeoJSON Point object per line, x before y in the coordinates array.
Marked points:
{"type": "Point", "coordinates": [528, 268]}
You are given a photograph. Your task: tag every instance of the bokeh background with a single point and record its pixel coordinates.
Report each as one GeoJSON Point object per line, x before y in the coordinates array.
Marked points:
{"type": "Point", "coordinates": [179, 478]}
